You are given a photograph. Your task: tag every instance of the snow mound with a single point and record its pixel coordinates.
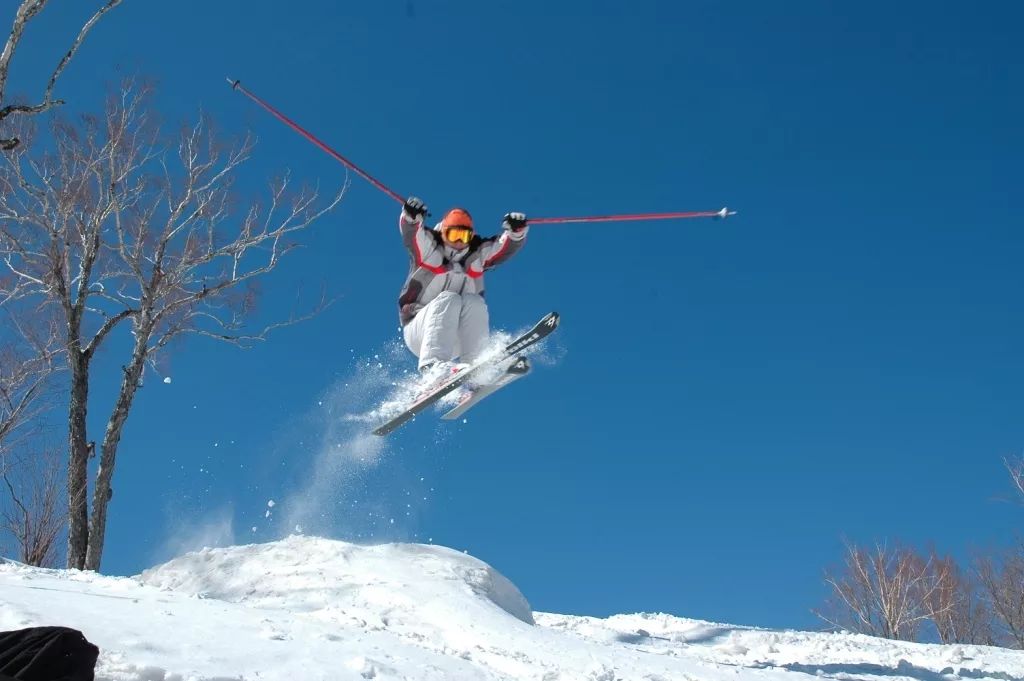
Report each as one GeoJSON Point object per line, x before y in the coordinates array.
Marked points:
{"type": "Point", "coordinates": [311, 574]}
{"type": "Point", "coordinates": [318, 610]}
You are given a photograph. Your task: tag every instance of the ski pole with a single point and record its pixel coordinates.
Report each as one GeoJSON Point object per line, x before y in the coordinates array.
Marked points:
{"type": "Point", "coordinates": [237, 85]}
{"type": "Point", "coordinates": [722, 214]}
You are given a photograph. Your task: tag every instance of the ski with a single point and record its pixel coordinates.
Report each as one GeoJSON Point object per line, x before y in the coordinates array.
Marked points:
{"type": "Point", "coordinates": [541, 329]}
{"type": "Point", "coordinates": [519, 368]}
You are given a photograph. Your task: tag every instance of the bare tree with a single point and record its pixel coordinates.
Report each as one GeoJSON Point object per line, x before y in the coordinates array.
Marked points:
{"type": "Point", "coordinates": [33, 514]}
{"type": "Point", "coordinates": [880, 592]}
{"type": "Point", "coordinates": [953, 604]}
{"type": "Point", "coordinates": [110, 230]}
{"type": "Point", "coordinates": [28, 349]}
{"type": "Point", "coordinates": [26, 12]}
{"type": "Point", "coordinates": [29, 494]}
{"type": "Point", "coordinates": [1002, 578]}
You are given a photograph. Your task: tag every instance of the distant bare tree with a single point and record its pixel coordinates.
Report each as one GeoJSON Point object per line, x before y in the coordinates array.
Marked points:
{"type": "Point", "coordinates": [28, 353]}
{"type": "Point", "coordinates": [34, 513]}
{"type": "Point", "coordinates": [1002, 578]}
{"type": "Point", "coordinates": [26, 12]}
{"type": "Point", "coordinates": [106, 229]}
{"type": "Point", "coordinates": [953, 605]}
{"type": "Point", "coordinates": [879, 593]}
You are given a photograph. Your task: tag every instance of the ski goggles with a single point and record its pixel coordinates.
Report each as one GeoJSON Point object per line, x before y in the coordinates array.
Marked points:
{"type": "Point", "coordinates": [458, 233]}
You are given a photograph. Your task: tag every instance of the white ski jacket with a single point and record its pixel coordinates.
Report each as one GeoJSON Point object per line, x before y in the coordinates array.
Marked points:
{"type": "Point", "coordinates": [433, 269]}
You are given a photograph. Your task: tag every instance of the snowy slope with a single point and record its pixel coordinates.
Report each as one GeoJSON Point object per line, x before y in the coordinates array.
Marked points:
{"type": "Point", "coordinates": [308, 609]}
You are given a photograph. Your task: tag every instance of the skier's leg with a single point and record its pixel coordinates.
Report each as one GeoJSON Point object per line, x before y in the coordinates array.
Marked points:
{"type": "Point", "coordinates": [433, 334]}
{"type": "Point", "coordinates": [474, 327]}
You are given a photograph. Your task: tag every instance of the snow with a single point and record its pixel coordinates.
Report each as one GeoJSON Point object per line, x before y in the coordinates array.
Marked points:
{"type": "Point", "coordinates": [307, 608]}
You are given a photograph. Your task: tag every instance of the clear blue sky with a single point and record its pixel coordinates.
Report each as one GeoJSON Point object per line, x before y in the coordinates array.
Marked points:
{"type": "Point", "coordinates": [844, 358]}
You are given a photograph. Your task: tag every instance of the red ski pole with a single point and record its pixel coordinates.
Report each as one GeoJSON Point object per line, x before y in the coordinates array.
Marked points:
{"type": "Point", "coordinates": [724, 213]}
{"type": "Point", "coordinates": [237, 85]}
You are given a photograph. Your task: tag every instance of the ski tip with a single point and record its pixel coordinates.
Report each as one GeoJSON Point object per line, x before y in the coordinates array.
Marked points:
{"type": "Point", "coordinates": [234, 83]}
{"type": "Point", "coordinates": [725, 212]}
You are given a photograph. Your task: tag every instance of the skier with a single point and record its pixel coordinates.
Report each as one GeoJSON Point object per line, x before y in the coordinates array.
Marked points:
{"type": "Point", "coordinates": [441, 308]}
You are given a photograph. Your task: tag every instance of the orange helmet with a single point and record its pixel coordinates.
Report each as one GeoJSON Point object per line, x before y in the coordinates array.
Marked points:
{"type": "Point", "coordinates": [457, 217]}
{"type": "Point", "coordinates": [457, 225]}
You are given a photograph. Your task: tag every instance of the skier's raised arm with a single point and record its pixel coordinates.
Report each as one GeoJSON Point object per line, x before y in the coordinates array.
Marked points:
{"type": "Point", "coordinates": [498, 249]}
{"type": "Point", "coordinates": [411, 220]}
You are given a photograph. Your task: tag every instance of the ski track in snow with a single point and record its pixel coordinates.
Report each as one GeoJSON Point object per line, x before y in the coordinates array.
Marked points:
{"type": "Point", "coordinates": [305, 608]}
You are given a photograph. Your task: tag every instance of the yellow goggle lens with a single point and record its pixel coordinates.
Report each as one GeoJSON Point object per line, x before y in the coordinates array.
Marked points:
{"type": "Point", "coordinates": [462, 234]}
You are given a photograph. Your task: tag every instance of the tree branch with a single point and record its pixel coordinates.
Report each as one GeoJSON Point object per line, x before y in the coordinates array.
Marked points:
{"type": "Point", "coordinates": [111, 4]}
{"type": "Point", "coordinates": [26, 12]}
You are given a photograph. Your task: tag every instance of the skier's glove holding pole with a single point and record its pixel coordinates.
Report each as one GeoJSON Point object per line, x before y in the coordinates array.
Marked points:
{"type": "Point", "coordinates": [516, 224]}
{"type": "Point", "coordinates": [414, 208]}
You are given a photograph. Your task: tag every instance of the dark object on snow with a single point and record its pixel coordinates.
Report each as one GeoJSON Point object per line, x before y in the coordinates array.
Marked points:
{"type": "Point", "coordinates": [46, 654]}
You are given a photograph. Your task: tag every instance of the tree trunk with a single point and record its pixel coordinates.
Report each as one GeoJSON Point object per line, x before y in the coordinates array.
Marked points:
{"type": "Point", "coordinates": [108, 451]}
{"type": "Point", "coordinates": [78, 460]}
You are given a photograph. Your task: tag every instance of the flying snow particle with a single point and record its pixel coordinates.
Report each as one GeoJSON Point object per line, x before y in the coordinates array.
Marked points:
{"type": "Point", "coordinates": [253, 528]}
{"type": "Point", "coordinates": [167, 379]}
{"type": "Point", "coordinates": [298, 529]}
{"type": "Point", "coordinates": [271, 504]}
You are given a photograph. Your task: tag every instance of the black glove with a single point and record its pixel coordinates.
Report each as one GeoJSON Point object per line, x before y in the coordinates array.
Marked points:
{"type": "Point", "coordinates": [515, 222]}
{"type": "Point", "coordinates": [414, 207]}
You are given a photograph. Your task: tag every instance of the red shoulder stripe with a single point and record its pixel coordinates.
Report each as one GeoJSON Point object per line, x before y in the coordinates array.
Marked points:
{"type": "Point", "coordinates": [419, 255]}
{"type": "Point", "coordinates": [504, 247]}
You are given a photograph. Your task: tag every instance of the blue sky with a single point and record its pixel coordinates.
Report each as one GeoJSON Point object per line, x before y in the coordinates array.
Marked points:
{"type": "Point", "coordinates": [728, 399]}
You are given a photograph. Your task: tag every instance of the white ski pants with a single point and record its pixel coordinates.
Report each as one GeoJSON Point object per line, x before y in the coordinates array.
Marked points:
{"type": "Point", "coordinates": [450, 326]}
